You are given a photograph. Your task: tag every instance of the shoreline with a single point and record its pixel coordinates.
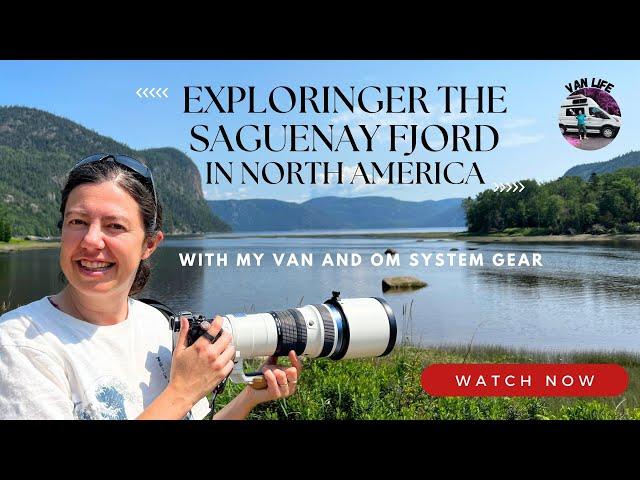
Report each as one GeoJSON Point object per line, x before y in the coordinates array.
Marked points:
{"type": "Point", "coordinates": [579, 238]}
{"type": "Point", "coordinates": [22, 245]}
{"type": "Point", "coordinates": [476, 238]}
{"type": "Point", "coordinates": [583, 238]}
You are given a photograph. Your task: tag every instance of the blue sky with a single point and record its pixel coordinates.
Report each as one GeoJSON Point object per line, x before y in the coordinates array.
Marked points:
{"type": "Point", "coordinates": [101, 95]}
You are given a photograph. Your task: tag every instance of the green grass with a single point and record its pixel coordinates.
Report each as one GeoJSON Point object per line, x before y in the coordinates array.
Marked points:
{"type": "Point", "coordinates": [16, 244]}
{"type": "Point", "coordinates": [509, 232]}
{"type": "Point", "coordinates": [18, 241]}
{"type": "Point", "coordinates": [526, 232]}
{"type": "Point", "coordinates": [389, 388]}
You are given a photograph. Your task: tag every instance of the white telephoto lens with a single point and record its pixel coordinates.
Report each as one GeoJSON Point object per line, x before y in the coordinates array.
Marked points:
{"type": "Point", "coordinates": [339, 328]}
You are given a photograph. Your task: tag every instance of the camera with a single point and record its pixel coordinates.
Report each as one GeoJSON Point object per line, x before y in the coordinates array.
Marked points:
{"type": "Point", "coordinates": [336, 329]}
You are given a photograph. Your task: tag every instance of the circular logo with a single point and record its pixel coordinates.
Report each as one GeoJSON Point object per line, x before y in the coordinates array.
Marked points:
{"type": "Point", "coordinates": [589, 119]}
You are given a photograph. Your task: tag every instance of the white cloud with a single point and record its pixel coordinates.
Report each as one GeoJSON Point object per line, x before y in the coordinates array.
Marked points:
{"type": "Point", "coordinates": [455, 115]}
{"type": "Point", "coordinates": [347, 188]}
{"type": "Point", "coordinates": [518, 122]}
{"type": "Point", "coordinates": [216, 194]}
{"type": "Point", "coordinates": [359, 185]}
{"type": "Point", "coordinates": [515, 139]}
{"type": "Point", "coordinates": [302, 198]}
{"type": "Point", "coordinates": [211, 192]}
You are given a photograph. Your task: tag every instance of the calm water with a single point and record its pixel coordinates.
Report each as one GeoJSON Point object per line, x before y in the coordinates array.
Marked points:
{"type": "Point", "coordinates": [584, 297]}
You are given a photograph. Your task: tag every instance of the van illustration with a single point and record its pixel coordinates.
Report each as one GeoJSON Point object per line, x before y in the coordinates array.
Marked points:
{"type": "Point", "coordinates": [598, 121]}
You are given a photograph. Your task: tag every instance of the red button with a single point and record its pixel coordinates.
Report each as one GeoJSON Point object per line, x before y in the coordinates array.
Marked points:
{"type": "Point", "coordinates": [524, 380]}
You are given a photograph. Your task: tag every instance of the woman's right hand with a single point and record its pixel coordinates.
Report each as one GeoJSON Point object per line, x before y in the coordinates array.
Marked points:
{"type": "Point", "coordinates": [198, 369]}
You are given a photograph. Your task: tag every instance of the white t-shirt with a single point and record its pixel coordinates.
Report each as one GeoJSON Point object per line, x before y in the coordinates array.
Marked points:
{"type": "Point", "coordinates": [55, 366]}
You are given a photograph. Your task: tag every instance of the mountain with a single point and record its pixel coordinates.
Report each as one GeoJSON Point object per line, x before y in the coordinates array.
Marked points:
{"type": "Point", "coordinates": [631, 159]}
{"type": "Point", "coordinates": [37, 149]}
{"type": "Point", "coordinates": [338, 213]}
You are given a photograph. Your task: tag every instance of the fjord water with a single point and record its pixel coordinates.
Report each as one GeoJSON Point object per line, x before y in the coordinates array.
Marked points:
{"type": "Point", "coordinates": [584, 297]}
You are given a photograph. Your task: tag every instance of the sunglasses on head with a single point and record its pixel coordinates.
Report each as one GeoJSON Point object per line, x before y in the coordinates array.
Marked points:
{"type": "Point", "coordinates": [132, 164]}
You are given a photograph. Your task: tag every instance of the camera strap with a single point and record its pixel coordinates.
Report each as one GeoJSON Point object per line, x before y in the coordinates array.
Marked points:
{"type": "Point", "coordinates": [165, 310]}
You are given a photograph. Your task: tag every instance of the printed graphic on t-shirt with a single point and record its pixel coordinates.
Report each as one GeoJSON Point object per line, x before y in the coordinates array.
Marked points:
{"type": "Point", "coordinates": [108, 399]}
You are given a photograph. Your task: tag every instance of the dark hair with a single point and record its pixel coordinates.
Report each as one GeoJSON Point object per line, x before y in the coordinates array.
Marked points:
{"type": "Point", "coordinates": [129, 181]}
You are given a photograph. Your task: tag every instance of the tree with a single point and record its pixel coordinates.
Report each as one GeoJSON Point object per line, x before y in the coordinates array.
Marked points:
{"type": "Point", "coordinates": [589, 215]}
{"type": "Point", "coordinates": [5, 231]}
{"type": "Point", "coordinates": [568, 204]}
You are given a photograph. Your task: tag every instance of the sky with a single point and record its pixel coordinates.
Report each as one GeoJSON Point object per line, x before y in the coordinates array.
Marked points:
{"type": "Point", "coordinates": [101, 95]}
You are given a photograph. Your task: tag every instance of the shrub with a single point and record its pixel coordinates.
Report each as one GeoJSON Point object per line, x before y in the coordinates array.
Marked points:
{"type": "Point", "coordinates": [631, 227]}
{"type": "Point", "coordinates": [598, 229]}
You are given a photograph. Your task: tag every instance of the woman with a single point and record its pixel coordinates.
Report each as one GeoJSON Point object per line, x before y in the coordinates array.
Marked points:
{"type": "Point", "coordinates": [582, 125]}
{"type": "Point", "coordinates": [91, 351]}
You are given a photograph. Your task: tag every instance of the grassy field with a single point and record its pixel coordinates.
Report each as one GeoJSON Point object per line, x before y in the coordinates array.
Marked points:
{"type": "Point", "coordinates": [389, 388]}
{"type": "Point", "coordinates": [19, 244]}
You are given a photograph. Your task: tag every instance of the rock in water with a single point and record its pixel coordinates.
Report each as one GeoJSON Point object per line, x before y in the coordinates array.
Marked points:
{"type": "Point", "coordinates": [397, 283]}
{"type": "Point", "coordinates": [390, 251]}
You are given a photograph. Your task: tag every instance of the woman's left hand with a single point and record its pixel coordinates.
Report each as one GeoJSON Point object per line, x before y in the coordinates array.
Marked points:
{"type": "Point", "coordinates": [281, 381]}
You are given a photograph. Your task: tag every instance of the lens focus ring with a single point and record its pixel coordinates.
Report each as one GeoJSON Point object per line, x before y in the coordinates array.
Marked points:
{"type": "Point", "coordinates": [292, 332]}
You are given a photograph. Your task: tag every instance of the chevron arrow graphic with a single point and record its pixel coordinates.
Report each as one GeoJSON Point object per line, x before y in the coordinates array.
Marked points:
{"type": "Point", "coordinates": [155, 92]}
{"type": "Point", "coordinates": [508, 187]}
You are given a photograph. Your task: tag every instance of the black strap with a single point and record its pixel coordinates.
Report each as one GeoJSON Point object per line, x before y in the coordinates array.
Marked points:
{"type": "Point", "coordinates": [165, 310]}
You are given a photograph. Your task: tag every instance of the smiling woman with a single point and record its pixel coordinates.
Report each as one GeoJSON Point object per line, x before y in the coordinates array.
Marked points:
{"type": "Point", "coordinates": [93, 352]}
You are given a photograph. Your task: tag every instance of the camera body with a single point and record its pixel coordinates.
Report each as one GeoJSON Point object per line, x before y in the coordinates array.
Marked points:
{"type": "Point", "coordinates": [195, 325]}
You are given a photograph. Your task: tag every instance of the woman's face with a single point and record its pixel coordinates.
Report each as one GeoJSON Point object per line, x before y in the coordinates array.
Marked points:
{"type": "Point", "coordinates": [103, 240]}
